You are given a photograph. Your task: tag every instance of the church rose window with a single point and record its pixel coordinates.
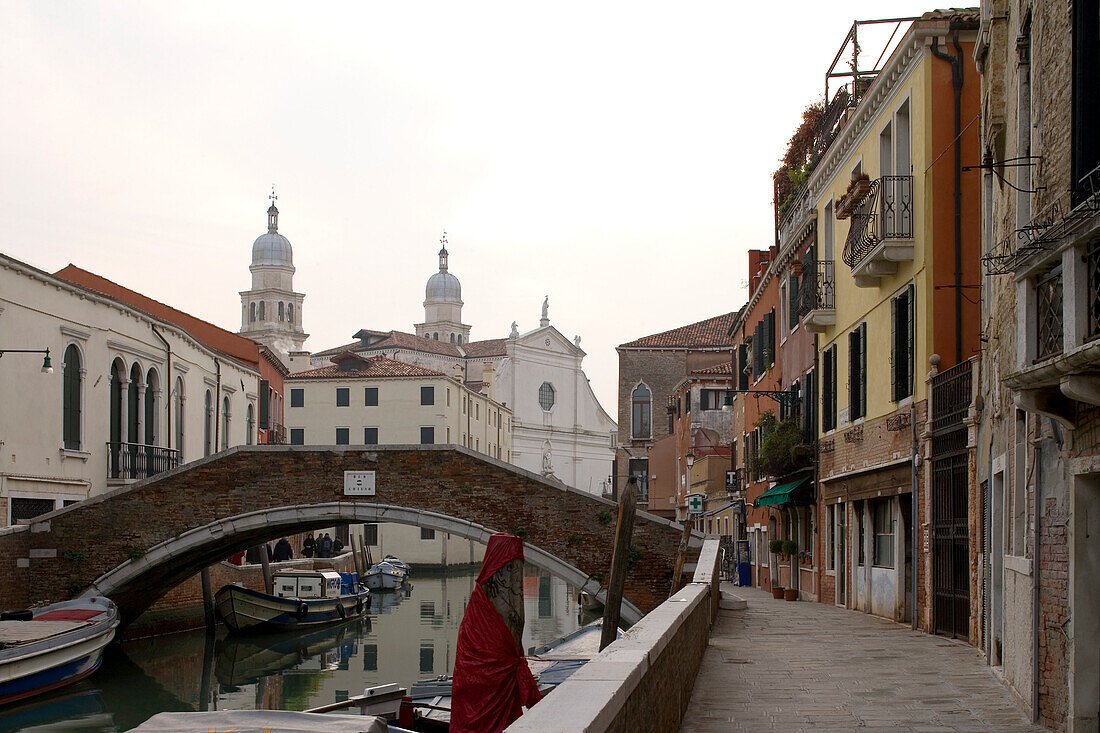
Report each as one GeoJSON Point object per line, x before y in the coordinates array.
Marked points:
{"type": "Point", "coordinates": [546, 395]}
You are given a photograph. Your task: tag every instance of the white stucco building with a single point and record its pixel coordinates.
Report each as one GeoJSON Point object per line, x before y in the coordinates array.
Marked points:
{"type": "Point", "coordinates": [559, 427]}
{"type": "Point", "coordinates": [137, 387]}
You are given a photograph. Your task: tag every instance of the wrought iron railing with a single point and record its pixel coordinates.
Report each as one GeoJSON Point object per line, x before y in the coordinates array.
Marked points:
{"type": "Point", "coordinates": [886, 212]}
{"type": "Point", "coordinates": [818, 288]}
{"type": "Point", "coordinates": [275, 434]}
{"type": "Point", "coordinates": [136, 460]}
{"type": "Point", "coordinates": [951, 395]}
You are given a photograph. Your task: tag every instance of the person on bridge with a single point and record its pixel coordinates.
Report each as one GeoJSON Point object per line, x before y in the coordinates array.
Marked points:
{"type": "Point", "coordinates": [326, 546]}
{"type": "Point", "coordinates": [309, 546]}
{"type": "Point", "coordinates": [283, 551]}
{"type": "Point", "coordinates": [492, 682]}
{"type": "Point", "coordinates": [337, 547]}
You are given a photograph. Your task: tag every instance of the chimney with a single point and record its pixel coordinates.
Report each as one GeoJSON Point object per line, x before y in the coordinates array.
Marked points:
{"type": "Point", "coordinates": [488, 379]}
{"type": "Point", "coordinates": [298, 361]}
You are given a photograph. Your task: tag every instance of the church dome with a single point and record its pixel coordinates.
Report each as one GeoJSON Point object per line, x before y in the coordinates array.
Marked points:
{"type": "Point", "coordinates": [272, 248]}
{"type": "Point", "coordinates": [443, 287]}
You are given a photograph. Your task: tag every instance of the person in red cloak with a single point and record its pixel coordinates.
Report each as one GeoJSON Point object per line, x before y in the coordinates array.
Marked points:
{"type": "Point", "coordinates": [491, 678]}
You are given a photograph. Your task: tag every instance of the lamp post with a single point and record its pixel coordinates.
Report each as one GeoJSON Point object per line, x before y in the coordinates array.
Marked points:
{"type": "Point", "coordinates": [47, 367]}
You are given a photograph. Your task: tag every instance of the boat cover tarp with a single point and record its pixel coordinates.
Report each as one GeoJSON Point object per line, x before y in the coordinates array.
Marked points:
{"type": "Point", "coordinates": [261, 721]}
{"type": "Point", "coordinates": [491, 678]}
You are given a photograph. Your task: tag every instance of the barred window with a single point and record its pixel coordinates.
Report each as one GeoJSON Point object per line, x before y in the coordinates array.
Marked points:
{"type": "Point", "coordinates": [546, 395]}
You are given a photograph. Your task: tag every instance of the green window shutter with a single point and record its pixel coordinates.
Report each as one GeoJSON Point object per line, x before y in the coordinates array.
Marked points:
{"type": "Point", "coordinates": [265, 406]}
{"type": "Point", "coordinates": [895, 367]}
{"type": "Point", "coordinates": [853, 375]}
{"type": "Point", "coordinates": [863, 367]}
{"type": "Point", "coordinates": [793, 310]}
{"type": "Point", "coordinates": [911, 343]}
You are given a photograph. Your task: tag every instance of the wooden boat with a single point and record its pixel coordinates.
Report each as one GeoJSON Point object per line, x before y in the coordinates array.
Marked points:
{"type": "Point", "coordinates": [385, 576]}
{"type": "Point", "coordinates": [302, 599]}
{"type": "Point", "coordinates": [45, 648]}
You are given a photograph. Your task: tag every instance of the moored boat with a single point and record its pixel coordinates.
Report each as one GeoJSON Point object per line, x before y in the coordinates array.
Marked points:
{"type": "Point", "coordinates": [385, 576]}
{"type": "Point", "coordinates": [45, 648]}
{"type": "Point", "coordinates": [399, 564]}
{"type": "Point", "coordinates": [302, 599]}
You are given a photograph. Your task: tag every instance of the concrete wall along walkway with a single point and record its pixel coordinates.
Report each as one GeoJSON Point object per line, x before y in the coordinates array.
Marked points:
{"type": "Point", "coordinates": [809, 666]}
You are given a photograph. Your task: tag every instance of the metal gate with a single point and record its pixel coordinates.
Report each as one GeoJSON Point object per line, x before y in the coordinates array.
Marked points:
{"type": "Point", "coordinates": [951, 398]}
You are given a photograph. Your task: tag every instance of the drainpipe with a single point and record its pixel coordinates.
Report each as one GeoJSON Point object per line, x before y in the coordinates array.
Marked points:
{"type": "Point", "coordinates": [914, 508]}
{"type": "Point", "coordinates": [1035, 563]}
{"type": "Point", "coordinates": [217, 404]}
{"type": "Point", "coordinates": [168, 350]}
{"type": "Point", "coordinates": [956, 86]}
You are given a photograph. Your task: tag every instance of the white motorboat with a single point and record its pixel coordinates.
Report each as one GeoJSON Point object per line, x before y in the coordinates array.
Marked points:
{"type": "Point", "coordinates": [385, 576]}
{"type": "Point", "coordinates": [42, 649]}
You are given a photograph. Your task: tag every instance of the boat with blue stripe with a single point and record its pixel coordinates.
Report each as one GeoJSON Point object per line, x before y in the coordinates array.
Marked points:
{"type": "Point", "coordinates": [302, 599]}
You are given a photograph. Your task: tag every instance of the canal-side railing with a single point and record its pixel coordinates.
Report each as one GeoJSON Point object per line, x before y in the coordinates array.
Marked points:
{"type": "Point", "coordinates": [643, 681]}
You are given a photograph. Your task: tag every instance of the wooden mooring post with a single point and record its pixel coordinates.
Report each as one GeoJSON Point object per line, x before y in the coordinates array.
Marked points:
{"type": "Point", "coordinates": [208, 600]}
{"type": "Point", "coordinates": [681, 557]}
{"type": "Point", "coordinates": [624, 528]}
{"type": "Point", "coordinates": [265, 563]}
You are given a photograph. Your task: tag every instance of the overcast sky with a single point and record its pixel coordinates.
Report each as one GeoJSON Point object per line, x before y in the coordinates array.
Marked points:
{"type": "Point", "coordinates": [616, 157]}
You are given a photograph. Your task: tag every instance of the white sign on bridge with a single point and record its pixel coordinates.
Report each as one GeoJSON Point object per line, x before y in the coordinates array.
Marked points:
{"type": "Point", "coordinates": [358, 483]}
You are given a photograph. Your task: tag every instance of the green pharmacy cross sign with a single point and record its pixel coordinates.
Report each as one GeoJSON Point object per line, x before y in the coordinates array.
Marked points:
{"type": "Point", "coordinates": [695, 503]}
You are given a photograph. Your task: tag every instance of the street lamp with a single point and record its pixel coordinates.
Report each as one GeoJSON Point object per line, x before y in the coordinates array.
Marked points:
{"type": "Point", "coordinates": [690, 458]}
{"type": "Point", "coordinates": [47, 367]}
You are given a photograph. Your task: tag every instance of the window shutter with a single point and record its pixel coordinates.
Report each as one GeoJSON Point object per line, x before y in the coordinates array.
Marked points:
{"type": "Point", "coordinates": [265, 408]}
{"type": "Point", "coordinates": [911, 343]}
{"type": "Point", "coordinates": [742, 358]}
{"type": "Point", "coordinates": [853, 374]}
{"type": "Point", "coordinates": [863, 368]}
{"type": "Point", "coordinates": [794, 302]}
{"type": "Point", "coordinates": [895, 367]}
{"type": "Point", "coordinates": [758, 350]}
{"type": "Point", "coordinates": [769, 335]}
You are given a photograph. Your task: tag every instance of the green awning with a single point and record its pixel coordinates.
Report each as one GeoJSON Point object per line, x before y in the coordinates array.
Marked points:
{"type": "Point", "coordinates": [782, 493]}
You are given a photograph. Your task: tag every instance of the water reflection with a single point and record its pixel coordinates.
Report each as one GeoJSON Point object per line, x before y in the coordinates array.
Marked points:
{"type": "Point", "coordinates": [408, 635]}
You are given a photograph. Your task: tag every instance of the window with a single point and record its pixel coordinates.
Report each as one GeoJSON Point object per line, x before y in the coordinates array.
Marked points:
{"type": "Point", "coordinates": [370, 436]}
{"type": "Point", "coordinates": [1018, 543]}
{"type": "Point", "coordinates": [828, 389]}
{"type": "Point", "coordinates": [290, 312]}
{"type": "Point", "coordinates": [809, 407]}
{"type": "Point", "coordinates": [72, 379]}
{"type": "Point", "coordinates": [427, 436]}
{"type": "Point", "coordinates": [1086, 96]}
{"type": "Point", "coordinates": [903, 346]}
{"type": "Point", "coordinates": [343, 396]}
{"type": "Point", "coordinates": [225, 423]}
{"type": "Point", "coordinates": [343, 436]}
{"type": "Point", "coordinates": [427, 534]}
{"type": "Point", "coordinates": [282, 314]}
{"type": "Point", "coordinates": [882, 522]}
{"type": "Point", "coordinates": [370, 397]}
{"type": "Point", "coordinates": [857, 372]}
{"type": "Point", "coordinates": [179, 416]}
{"type": "Point", "coordinates": [208, 425]}
{"type": "Point", "coordinates": [477, 410]}
{"type": "Point", "coordinates": [546, 396]}
{"type": "Point", "coordinates": [252, 313]}
{"type": "Point", "coordinates": [263, 316]}
{"type": "Point", "coordinates": [22, 509]}
{"type": "Point", "coordinates": [427, 395]}
{"type": "Point", "coordinates": [783, 310]}
{"type": "Point", "coordinates": [448, 398]}
{"type": "Point", "coordinates": [427, 657]}
{"type": "Point", "coordinates": [792, 308]}
{"type": "Point", "coordinates": [830, 537]}
{"type": "Point", "coordinates": [370, 534]}
{"type": "Point", "coordinates": [687, 402]}
{"type": "Point", "coordinates": [641, 403]}
{"type": "Point", "coordinates": [713, 399]}
{"type": "Point", "coordinates": [250, 423]}
{"type": "Point", "coordinates": [742, 367]}
{"type": "Point", "coordinates": [297, 397]}
{"type": "Point", "coordinates": [639, 469]}
{"type": "Point", "coordinates": [861, 528]}
{"type": "Point", "coordinates": [1048, 315]}
{"type": "Point", "coordinates": [297, 436]}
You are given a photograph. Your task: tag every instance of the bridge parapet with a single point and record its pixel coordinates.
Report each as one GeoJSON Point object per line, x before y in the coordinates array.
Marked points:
{"type": "Point", "coordinates": [643, 681]}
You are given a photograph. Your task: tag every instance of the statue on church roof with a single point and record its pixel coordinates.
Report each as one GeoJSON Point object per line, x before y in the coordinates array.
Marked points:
{"type": "Point", "coordinates": [545, 320]}
{"type": "Point", "coordinates": [515, 331]}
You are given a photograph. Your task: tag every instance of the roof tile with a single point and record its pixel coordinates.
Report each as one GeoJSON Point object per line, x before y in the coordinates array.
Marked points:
{"type": "Point", "coordinates": [706, 334]}
{"type": "Point", "coordinates": [375, 367]}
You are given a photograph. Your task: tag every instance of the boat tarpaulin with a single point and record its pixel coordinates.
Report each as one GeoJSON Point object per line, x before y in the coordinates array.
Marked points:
{"type": "Point", "coordinates": [492, 681]}
{"type": "Point", "coordinates": [261, 721]}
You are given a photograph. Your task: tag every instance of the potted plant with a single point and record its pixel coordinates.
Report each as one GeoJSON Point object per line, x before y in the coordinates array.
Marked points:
{"type": "Point", "coordinates": [775, 547]}
{"type": "Point", "coordinates": [777, 592]}
{"type": "Point", "coordinates": [790, 594]}
{"type": "Point", "coordinates": [790, 548]}
{"type": "Point", "coordinates": [782, 448]}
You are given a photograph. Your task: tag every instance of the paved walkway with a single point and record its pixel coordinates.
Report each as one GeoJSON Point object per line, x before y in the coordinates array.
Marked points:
{"type": "Point", "coordinates": [807, 666]}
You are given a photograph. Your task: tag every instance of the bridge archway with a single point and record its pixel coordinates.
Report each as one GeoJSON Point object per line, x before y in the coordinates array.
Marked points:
{"type": "Point", "coordinates": [135, 542]}
{"type": "Point", "coordinates": [140, 581]}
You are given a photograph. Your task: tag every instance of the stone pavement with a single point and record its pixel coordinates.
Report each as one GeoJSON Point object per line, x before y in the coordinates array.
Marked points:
{"type": "Point", "coordinates": [805, 666]}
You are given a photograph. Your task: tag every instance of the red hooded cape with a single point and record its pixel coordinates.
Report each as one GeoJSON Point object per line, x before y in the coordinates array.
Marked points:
{"type": "Point", "coordinates": [491, 677]}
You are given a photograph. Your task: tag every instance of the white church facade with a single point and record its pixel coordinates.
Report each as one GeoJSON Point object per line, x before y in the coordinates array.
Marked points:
{"type": "Point", "coordinates": [559, 430]}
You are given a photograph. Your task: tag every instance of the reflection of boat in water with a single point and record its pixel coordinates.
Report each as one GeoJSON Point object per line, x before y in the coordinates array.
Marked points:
{"type": "Point", "coordinates": [242, 660]}
{"type": "Point", "coordinates": [79, 707]}
{"type": "Point", "coordinates": [303, 598]}
{"type": "Point", "coordinates": [384, 603]}
{"type": "Point", "coordinates": [45, 648]}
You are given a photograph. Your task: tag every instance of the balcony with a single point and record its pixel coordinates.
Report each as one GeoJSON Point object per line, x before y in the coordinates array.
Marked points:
{"type": "Point", "coordinates": [881, 234]}
{"type": "Point", "coordinates": [273, 434]}
{"type": "Point", "coordinates": [129, 461]}
{"type": "Point", "coordinates": [817, 307]}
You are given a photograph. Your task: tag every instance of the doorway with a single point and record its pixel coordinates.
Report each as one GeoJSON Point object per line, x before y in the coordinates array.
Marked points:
{"type": "Point", "coordinates": [1084, 680]}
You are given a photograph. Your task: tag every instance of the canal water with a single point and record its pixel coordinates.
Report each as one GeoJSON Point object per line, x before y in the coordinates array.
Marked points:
{"type": "Point", "coordinates": [407, 635]}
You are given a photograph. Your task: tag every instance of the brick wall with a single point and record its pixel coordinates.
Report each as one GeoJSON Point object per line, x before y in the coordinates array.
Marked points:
{"type": "Point", "coordinates": [69, 549]}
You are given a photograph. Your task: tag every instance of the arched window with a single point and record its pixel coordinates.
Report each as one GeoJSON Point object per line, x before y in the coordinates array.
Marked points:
{"type": "Point", "coordinates": [290, 312]}
{"type": "Point", "coordinates": [72, 395]}
{"type": "Point", "coordinates": [452, 338]}
{"type": "Point", "coordinates": [118, 414]}
{"type": "Point", "coordinates": [435, 336]}
{"type": "Point", "coordinates": [252, 312]}
{"type": "Point", "coordinates": [250, 422]}
{"type": "Point", "coordinates": [460, 338]}
{"type": "Point", "coordinates": [280, 310]}
{"type": "Point", "coordinates": [263, 316]}
{"type": "Point", "coordinates": [179, 416]}
{"type": "Point", "coordinates": [225, 423]}
{"type": "Point", "coordinates": [641, 404]}
{"type": "Point", "coordinates": [208, 422]}
{"type": "Point", "coordinates": [133, 411]}
{"type": "Point", "coordinates": [152, 409]}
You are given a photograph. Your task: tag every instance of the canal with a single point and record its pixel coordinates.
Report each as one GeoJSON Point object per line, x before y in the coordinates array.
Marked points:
{"type": "Point", "coordinates": [407, 636]}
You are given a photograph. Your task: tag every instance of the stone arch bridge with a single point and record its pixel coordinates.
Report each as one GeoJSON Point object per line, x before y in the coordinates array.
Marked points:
{"type": "Point", "coordinates": [136, 543]}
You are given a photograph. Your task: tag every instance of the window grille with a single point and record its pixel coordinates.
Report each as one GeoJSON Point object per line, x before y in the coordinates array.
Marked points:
{"type": "Point", "coordinates": [1048, 295]}
{"type": "Point", "coordinates": [546, 395]}
{"type": "Point", "coordinates": [1092, 265]}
